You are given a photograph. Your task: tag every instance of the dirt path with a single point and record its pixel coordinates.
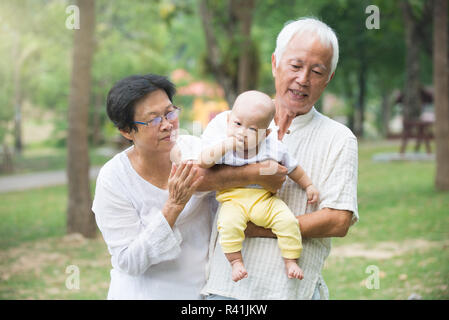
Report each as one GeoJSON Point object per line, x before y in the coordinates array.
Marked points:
{"type": "Point", "coordinates": [385, 250]}
{"type": "Point", "coordinates": [37, 180]}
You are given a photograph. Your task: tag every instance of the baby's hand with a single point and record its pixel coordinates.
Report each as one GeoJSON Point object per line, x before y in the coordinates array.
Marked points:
{"type": "Point", "coordinates": [229, 143]}
{"type": "Point", "coordinates": [313, 196]}
{"type": "Point", "coordinates": [239, 144]}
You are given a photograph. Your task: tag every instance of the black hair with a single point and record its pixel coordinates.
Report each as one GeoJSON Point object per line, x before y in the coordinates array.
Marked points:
{"type": "Point", "coordinates": [124, 95]}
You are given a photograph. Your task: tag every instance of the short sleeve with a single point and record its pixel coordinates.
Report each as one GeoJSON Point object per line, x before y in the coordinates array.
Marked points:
{"type": "Point", "coordinates": [339, 187]}
{"type": "Point", "coordinates": [216, 129]}
{"type": "Point", "coordinates": [286, 159]}
{"type": "Point", "coordinates": [190, 147]}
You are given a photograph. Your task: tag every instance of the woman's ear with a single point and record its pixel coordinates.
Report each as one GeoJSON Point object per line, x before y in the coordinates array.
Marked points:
{"type": "Point", "coordinates": [127, 135]}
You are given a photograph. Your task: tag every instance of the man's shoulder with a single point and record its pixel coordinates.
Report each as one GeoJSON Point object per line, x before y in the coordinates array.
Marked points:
{"type": "Point", "coordinates": [335, 128]}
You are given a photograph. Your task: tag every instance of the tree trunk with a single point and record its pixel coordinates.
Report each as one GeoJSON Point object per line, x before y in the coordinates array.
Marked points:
{"type": "Point", "coordinates": [80, 218]}
{"type": "Point", "coordinates": [213, 53]}
{"type": "Point", "coordinates": [412, 94]}
{"type": "Point", "coordinates": [96, 137]}
{"type": "Point", "coordinates": [243, 10]}
{"type": "Point", "coordinates": [386, 112]}
{"type": "Point", "coordinates": [441, 96]}
{"type": "Point", "coordinates": [17, 96]}
{"type": "Point", "coordinates": [237, 27]}
{"type": "Point", "coordinates": [348, 90]}
{"type": "Point", "coordinates": [360, 105]}
{"type": "Point", "coordinates": [6, 163]}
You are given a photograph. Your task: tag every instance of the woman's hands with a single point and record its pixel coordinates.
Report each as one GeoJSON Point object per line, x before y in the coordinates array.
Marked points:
{"type": "Point", "coordinates": [182, 183]}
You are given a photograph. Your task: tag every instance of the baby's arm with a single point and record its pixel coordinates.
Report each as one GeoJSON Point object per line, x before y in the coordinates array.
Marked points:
{"type": "Point", "coordinates": [209, 156]}
{"type": "Point", "coordinates": [300, 177]}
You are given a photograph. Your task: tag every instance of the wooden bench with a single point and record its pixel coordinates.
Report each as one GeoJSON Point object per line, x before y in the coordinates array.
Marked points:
{"type": "Point", "coordinates": [421, 130]}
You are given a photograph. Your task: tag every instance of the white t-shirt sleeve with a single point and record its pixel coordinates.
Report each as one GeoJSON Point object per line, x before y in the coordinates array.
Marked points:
{"type": "Point", "coordinates": [216, 129]}
{"type": "Point", "coordinates": [190, 147]}
{"type": "Point", "coordinates": [339, 187]}
{"type": "Point", "coordinates": [285, 158]}
{"type": "Point", "coordinates": [135, 244]}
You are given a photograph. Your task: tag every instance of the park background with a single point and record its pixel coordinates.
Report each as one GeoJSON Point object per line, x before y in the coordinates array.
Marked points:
{"type": "Point", "coordinates": [54, 129]}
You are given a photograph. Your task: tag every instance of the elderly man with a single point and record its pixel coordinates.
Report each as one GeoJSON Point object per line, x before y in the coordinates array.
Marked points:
{"type": "Point", "coordinates": [303, 63]}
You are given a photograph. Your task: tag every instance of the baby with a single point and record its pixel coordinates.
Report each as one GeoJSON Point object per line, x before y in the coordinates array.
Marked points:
{"type": "Point", "coordinates": [249, 141]}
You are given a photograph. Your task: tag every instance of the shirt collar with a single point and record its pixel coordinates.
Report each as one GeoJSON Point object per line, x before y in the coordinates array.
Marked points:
{"type": "Point", "coordinates": [298, 121]}
{"type": "Point", "coordinates": [303, 120]}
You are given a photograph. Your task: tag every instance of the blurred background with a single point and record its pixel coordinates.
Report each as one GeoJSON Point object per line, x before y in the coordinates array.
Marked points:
{"type": "Point", "coordinates": [390, 89]}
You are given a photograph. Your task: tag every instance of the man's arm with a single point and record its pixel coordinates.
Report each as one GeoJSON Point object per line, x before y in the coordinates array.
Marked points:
{"type": "Point", "coordinates": [319, 224]}
{"type": "Point", "coordinates": [323, 223]}
{"type": "Point", "coordinates": [220, 177]}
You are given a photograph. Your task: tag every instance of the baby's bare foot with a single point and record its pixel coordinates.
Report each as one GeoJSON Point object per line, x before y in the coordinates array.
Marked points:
{"type": "Point", "coordinates": [293, 270]}
{"type": "Point", "coordinates": [238, 271]}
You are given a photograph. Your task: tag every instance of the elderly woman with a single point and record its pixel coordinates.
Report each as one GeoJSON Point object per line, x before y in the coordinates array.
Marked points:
{"type": "Point", "coordinates": [156, 226]}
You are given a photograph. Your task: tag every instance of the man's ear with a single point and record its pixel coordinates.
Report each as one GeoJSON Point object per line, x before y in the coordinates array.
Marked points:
{"type": "Point", "coordinates": [333, 74]}
{"type": "Point", "coordinates": [127, 135]}
{"type": "Point", "coordinates": [273, 65]}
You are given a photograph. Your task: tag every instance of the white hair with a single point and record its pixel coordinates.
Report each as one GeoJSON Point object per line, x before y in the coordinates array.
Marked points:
{"type": "Point", "coordinates": [325, 33]}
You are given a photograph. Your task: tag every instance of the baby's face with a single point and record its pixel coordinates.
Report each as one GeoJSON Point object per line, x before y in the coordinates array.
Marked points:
{"type": "Point", "coordinates": [248, 124]}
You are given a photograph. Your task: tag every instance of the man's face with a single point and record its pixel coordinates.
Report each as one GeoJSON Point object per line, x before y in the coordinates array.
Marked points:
{"type": "Point", "coordinates": [302, 73]}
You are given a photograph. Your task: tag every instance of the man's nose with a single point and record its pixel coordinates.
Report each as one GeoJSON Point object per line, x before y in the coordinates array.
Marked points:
{"type": "Point", "coordinates": [303, 77]}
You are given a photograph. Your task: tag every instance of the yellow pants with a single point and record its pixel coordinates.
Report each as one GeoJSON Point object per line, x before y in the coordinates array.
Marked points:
{"type": "Point", "coordinates": [240, 205]}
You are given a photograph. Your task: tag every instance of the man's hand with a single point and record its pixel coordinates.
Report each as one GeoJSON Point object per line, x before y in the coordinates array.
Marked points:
{"type": "Point", "coordinates": [271, 175]}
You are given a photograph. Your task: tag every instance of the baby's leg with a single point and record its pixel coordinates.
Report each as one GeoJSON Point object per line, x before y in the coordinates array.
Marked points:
{"type": "Point", "coordinates": [231, 225]}
{"type": "Point", "coordinates": [285, 226]}
{"type": "Point", "coordinates": [238, 269]}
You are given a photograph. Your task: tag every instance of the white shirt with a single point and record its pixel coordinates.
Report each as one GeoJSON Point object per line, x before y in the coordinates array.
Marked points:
{"type": "Point", "coordinates": [269, 149]}
{"type": "Point", "coordinates": [327, 151]}
{"type": "Point", "coordinates": [150, 260]}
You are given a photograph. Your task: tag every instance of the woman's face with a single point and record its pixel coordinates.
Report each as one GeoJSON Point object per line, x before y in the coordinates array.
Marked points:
{"type": "Point", "coordinates": [154, 138]}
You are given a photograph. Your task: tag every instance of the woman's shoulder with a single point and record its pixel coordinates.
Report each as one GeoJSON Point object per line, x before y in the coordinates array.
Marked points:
{"type": "Point", "coordinates": [113, 167]}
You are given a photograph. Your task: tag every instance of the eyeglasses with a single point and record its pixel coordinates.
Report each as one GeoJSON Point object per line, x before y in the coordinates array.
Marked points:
{"type": "Point", "coordinates": [171, 116]}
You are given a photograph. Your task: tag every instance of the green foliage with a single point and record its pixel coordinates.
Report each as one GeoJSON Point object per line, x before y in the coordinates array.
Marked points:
{"type": "Point", "coordinates": [160, 36]}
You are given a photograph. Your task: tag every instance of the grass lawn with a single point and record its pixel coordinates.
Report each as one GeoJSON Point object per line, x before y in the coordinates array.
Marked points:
{"type": "Point", "coordinates": [403, 234]}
